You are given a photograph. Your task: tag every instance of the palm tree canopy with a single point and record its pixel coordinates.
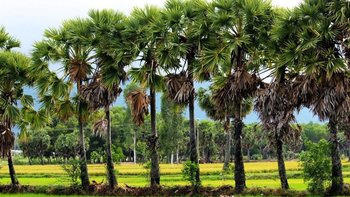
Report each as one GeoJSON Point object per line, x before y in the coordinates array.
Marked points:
{"type": "Point", "coordinates": [315, 49]}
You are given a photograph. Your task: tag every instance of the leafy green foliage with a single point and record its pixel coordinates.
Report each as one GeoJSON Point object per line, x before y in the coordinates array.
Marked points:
{"type": "Point", "coordinates": [73, 171]}
{"type": "Point", "coordinates": [189, 172]}
{"type": "Point", "coordinates": [316, 165]}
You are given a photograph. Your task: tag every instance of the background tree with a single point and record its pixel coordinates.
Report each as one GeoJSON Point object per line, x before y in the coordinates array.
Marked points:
{"type": "Point", "coordinates": [39, 143]}
{"type": "Point", "coordinates": [171, 128]}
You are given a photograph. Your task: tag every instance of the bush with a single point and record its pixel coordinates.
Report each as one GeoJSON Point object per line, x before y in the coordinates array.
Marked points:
{"type": "Point", "coordinates": [226, 174]}
{"type": "Point", "coordinates": [147, 167]}
{"type": "Point", "coordinates": [257, 157]}
{"type": "Point", "coordinates": [72, 168]}
{"type": "Point", "coordinates": [117, 154]}
{"type": "Point", "coordinates": [316, 165]}
{"type": "Point", "coordinates": [189, 173]}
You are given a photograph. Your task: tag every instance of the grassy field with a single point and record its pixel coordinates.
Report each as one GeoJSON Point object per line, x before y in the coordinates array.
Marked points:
{"type": "Point", "coordinates": [259, 174]}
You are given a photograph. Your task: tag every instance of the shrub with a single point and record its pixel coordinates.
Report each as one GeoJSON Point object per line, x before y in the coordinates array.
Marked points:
{"type": "Point", "coordinates": [226, 174]}
{"type": "Point", "coordinates": [72, 168]}
{"type": "Point", "coordinates": [257, 157]}
{"type": "Point", "coordinates": [316, 165]}
{"type": "Point", "coordinates": [147, 167]}
{"type": "Point", "coordinates": [117, 154]}
{"type": "Point", "coordinates": [189, 173]}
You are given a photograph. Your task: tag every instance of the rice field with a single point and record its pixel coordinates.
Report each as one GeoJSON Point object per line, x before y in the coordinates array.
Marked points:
{"type": "Point", "coordinates": [258, 174]}
{"type": "Point", "coordinates": [136, 169]}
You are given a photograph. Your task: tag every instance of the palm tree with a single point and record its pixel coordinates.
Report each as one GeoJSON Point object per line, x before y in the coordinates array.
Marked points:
{"type": "Point", "coordinates": [274, 102]}
{"type": "Point", "coordinates": [98, 96]}
{"type": "Point", "coordinates": [145, 29]}
{"type": "Point", "coordinates": [14, 76]}
{"type": "Point", "coordinates": [275, 108]}
{"type": "Point", "coordinates": [186, 28]}
{"type": "Point", "coordinates": [316, 51]}
{"type": "Point", "coordinates": [70, 47]}
{"type": "Point", "coordinates": [104, 88]}
{"type": "Point", "coordinates": [240, 31]}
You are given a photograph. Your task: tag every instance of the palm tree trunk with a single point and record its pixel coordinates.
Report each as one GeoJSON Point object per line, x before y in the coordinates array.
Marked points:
{"type": "Point", "coordinates": [280, 160]}
{"type": "Point", "coordinates": [240, 183]}
{"type": "Point", "coordinates": [155, 176]}
{"type": "Point", "coordinates": [337, 175]}
{"type": "Point", "coordinates": [193, 143]}
{"type": "Point", "coordinates": [14, 180]}
{"type": "Point", "coordinates": [84, 176]}
{"type": "Point", "coordinates": [135, 159]}
{"type": "Point", "coordinates": [227, 145]}
{"type": "Point", "coordinates": [110, 167]}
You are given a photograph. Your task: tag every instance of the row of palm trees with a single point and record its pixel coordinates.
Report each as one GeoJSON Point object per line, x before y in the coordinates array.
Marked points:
{"type": "Point", "coordinates": [237, 45]}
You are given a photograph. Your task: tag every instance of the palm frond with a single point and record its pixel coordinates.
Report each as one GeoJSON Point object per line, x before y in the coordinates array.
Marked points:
{"type": "Point", "coordinates": [138, 101]}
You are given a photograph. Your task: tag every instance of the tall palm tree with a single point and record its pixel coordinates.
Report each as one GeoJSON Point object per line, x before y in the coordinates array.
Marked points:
{"type": "Point", "coordinates": [274, 102]}
{"type": "Point", "coordinates": [317, 53]}
{"type": "Point", "coordinates": [145, 29]}
{"type": "Point", "coordinates": [70, 47]}
{"type": "Point", "coordinates": [275, 108]}
{"type": "Point", "coordinates": [14, 75]}
{"type": "Point", "coordinates": [186, 28]}
{"type": "Point", "coordinates": [240, 33]}
{"type": "Point", "coordinates": [112, 56]}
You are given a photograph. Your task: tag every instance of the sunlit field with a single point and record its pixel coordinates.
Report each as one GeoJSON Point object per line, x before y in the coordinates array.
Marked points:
{"type": "Point", "coordinates": [137, 169]}
{"type": "Point", "coordinates": [258, 174]}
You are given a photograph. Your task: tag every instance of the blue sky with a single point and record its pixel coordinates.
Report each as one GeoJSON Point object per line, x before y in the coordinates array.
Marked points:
{"type": "Point", "coordinates": [27, 20]}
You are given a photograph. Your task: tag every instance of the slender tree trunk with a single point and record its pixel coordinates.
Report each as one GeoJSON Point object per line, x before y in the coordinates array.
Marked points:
{"type": "Point", "coordinates": [280, 160]}
{"type": "Point", "coordinates": [14, 180]}
{"type": "Point", "coordinates": [110, 166]}
{"type": "Point", "coordinates": [240, 183]}
{"type": "Point", "coordinates": [135, 148]}
{"type": "Point", "coordinates": [248, 153]}
{"type": "Point", "coordinates": [84, 176]}
{"type": "Point", "coordinates": [177, 154]}
{"type": "Point", "coordinates": [172, 157]}
{"type": "Point", "coordinates": [337, 175]}
{"type": "Point", "coordinates": [193, 143]}
{"type": "Point", "coordinates": [227, 145]}
{"type": "Point", "coordinates": [155, 176]}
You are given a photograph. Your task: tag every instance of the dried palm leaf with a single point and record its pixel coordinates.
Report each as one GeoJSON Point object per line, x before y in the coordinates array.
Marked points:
{"type": "Point", "coordinates": [138, 101]}
{"type": "Point", "coordinates": [235, 88]}
{"type": "Point", "coordinates": [97, 95]}
{"type": "Point", "coordinates": [327, 97]}
{"type": "Point", "coordinates": [100, 128]}
{"type": "Point", "coordinates": [7, 140]}
{"type": "Point", "coordinates": [179, 87]}
{"type": "Point", "coordinates": [275, 106]}
{"type": "Point", "coordinates": [78, 70]}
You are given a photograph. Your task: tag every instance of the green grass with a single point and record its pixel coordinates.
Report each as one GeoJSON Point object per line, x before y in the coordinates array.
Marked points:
{"type": "Point", "coordinates": [258, 174]}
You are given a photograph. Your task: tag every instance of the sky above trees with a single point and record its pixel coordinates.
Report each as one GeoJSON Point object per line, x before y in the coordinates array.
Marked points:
{"type": "Point", "coordinates": [27, 20]}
